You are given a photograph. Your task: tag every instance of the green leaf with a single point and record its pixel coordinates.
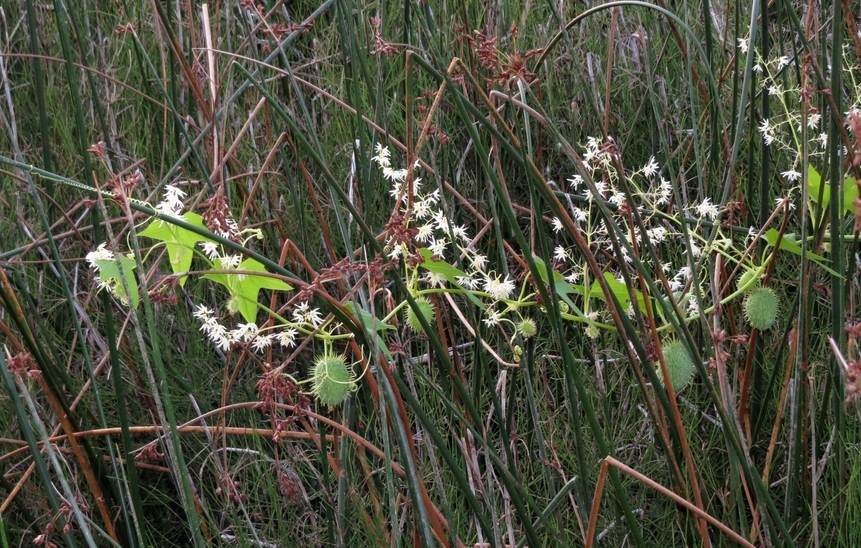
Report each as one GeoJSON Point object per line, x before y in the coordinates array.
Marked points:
{"type": "Point", "coordinates": [619, 289]}
{"type": "Point", "coordinates": [109, 272]}
{"type": "Point", "coordinates": [814, 183]}
{"type": "Point", "coordinates": [789, 243]}
{"type": "Point", "coordinates": [449, 272]}
{"type": "Point", "coordinates": [370, 321]}
{"type": "Point", "coordinates": [180, 241]}
{"type": "Point", "coordinates": [244, 288]}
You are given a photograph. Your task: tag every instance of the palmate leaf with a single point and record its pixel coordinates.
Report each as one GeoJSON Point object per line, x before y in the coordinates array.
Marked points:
{"type": "Point", "coordinates": [180, 241]}
{"type": "Point", "coordinates": [245, 288]}
{"type": "Point", "coordinates": [109, 273]}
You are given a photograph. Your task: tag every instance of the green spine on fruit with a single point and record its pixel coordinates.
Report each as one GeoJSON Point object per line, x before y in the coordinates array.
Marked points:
{"type": "Point", "coordinates": [333, 380]}
{"type": "Point", "coordinates": [680, 365]}
{"type": "Point", "coordinates": [760, 308]}
{"type": "Point", "coordinates": [426, 310]}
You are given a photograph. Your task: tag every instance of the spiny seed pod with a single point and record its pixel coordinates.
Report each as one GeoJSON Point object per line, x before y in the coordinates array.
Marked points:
{"type": "Point", "coordinates": [679, 364]}
{"type": "Point", "coordinates": [426, 311]}
{"type": "Point", "coordinates": [527, 328]}
{"type": "Point", "coordinates": [747, 278]}
{"type": "Point", "coordinates": [332, 380]}
{"type": "Point", "coordinates": [760, 308]}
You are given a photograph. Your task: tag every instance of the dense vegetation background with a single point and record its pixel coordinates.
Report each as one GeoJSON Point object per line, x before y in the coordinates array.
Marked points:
{"type": "Point", "coordinates": [612, 196]}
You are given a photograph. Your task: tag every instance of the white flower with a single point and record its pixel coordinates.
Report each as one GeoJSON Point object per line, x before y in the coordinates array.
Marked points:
{"type": "Point", "coordinates": [460, 233]}
{"type": "Point", "coordinates": [742, 44]}
{"type": "Point", "coordinates": [425, 233]}
{"type": "Point", "coordinates": [651, 168]}
{"type": "Point", "coordinates": [303, 314]}
{"type": "Point", "coordinates": [696, 251]}
{"type": "Point", "coordinates": [479, 262]}
{"type": "Point", "coordinates": [467, 282]}
{"type": "Point", "coordinates": [560, 254]}
{"type": "Point", "coordinates": [261, 343]}
{"type": "Point", "coordinates": [437, 247]}
{"type": "Point", "coordinates": [100, 254]}
{"type": "Point", "coordinates": [287, 337]}
{"type": "Point", "coordinates": [575, 181]}
{"type": "Point", "coordinates": [791, 175]}
{"type": "Point", "coordinates": [775, 90]}
{"type": "Point", "coordinates": [397, 251]}
{"type": "Point", "coordinates": [229, 262]}
{"type": "Point", "coordinates": [557, 224]}
{"type": "Point", "coordinates": [499, 289]}
{"type": "Point", "coordinates": [382, 157]}
{"type": "Point", "coordinates": [579, 215]}
{"type": "Point", "coordinates": [210, 249]}
{"type": "Point", "coordinates": [707, 209]}
{"type": "Point", "coordinates": [245, 332]}
{"type": "Point", "coordinates": [813, 120]}
{"type": "Point", "coordinates": [657, 234]}
{"type": "Point", "coordinates": [202, 313]}
{"type": "Point", "coordinates": [493, 317]}
{"type": "Point", "coordinates": [782, 62]}
{"type": "Point", "coordinates": [172, 203]}
{"type": "Point", "coordinates": [685, 273]}
{"type": "Point", "coordinates": [434, 279]}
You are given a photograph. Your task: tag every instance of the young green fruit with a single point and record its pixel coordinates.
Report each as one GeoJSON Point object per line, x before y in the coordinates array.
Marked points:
{"type": "Point", "coordinates": [333, 380]}
{"type": "Point", "coordinates": [680, 366]}
{"type": "Point", "coordinates": [426, 311]}
{"type": "Point", "coordinates": [760, 308]}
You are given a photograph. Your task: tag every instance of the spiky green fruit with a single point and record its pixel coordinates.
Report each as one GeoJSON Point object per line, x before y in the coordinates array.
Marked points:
{"type": "Point", "coordinates": [333, 380]}
{"type": "Point", "coordinates": [412, 318]}
{"type": "Point", "coordinates": [748, 278]}
{"type": "Point", "coordinates": [760, 308]}
{"type": "Point", "coordinates": [527, 328]}
{"type": "Point", "coordinates": [680, 365]}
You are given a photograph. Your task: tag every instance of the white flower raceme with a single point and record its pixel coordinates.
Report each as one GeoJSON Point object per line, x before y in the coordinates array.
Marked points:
{"type": "Point", "coordinates": [172, 202]}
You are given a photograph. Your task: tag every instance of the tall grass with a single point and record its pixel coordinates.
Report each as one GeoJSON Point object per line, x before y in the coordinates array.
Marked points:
{"type": "Point", "coordinates": [231, 314]}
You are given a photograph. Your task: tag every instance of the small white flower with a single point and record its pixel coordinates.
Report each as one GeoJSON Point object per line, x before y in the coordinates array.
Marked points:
{"type": "Point", "coordinates": [172, 202]}
{"type": "Point", "coordinates": [813, 120]}
{"type": "Point", "coordinates": [782, 62]}
{"type": "Point", "coordinates": [707, 209]}
{"type": "Point", "coordinates": [557, 225]}
{"type": "Point", "coordinates": [245, 332]}
{"type": "Point", "coordinates": [210, 249]}
{"type": "Point", "coordinates": [579, 215]}
{"type": "Point", "coordinates": [479, 262]}
{"type": "Point", "coordinates": [467, 282]}
{"type": "Point", "coordinates": [791, 175]}
{"type": "Point", "coordinates": [651, 168]}
{"type": "Point", "coordinates": [434, 279]}
{"type": "Point", "coordinates": [287, 337]}
{"type": "Point", "coordinates": [437, 247]}
{"type": "Point", "coordinates": [742, 45]}
{"type": "Point", "coordinates": [657, 234]}
{"type": "Point", "coordinates": [382, 157]}
{"type": "Point", "coordinates": [493, 317]}
{"type": "Point", "coordinates": [261, 343]}
{"type": "Point", "coordinates": [100, 254]}
{"type": "Point", "coordinates": [575, 181]}
{"type": "Point", "coordinates": [499, 288]}
{"type": "Point", "coordinates": [425, 233]}
{"type": "Point", "coordinates": [560, 254]}
{"type": "Point", "coordinates": [460, 233]}
{"type": "Point", "coordinates": [229, 262]}
{"type": "Point", "coordinates": [775, 90]}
